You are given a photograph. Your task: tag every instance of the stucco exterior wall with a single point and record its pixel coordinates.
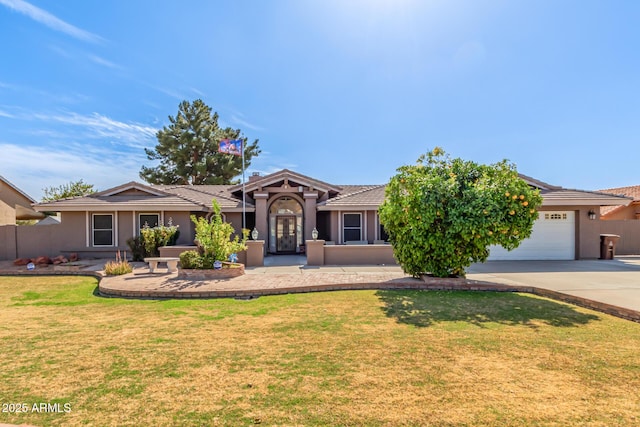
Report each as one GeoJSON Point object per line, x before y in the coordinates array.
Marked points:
{"type": "Point", "coordinates": [625, 213]}
{"type": "Point", "coordinates": [359, 255]}
{"type": "Point", "coordinates": [7, 214]}
{"type": "Point", "coordinates": [9, 198]}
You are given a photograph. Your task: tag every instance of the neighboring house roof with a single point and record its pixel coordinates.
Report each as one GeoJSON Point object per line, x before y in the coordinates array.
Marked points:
{"type": "Point", "coordinates": [50, 220]}
{"type": "Point", "coordinates": [22, 193]}
{"type": "Point", "coordinates": [21, 204]}
{"type": "Point", "coordinates": [632, 191]}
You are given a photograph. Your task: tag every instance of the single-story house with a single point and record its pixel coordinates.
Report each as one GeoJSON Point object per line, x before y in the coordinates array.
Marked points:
{"type": "Point", "coordinates": [285, 206]}
{"type": "Point", "coordinates": [630, 211]}
{"type": "Point", "coordinates": [15, 204]}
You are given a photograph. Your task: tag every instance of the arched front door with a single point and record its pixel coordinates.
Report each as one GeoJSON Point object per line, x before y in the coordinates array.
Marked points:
{"type": "Point", "coordinates": [285, 225]}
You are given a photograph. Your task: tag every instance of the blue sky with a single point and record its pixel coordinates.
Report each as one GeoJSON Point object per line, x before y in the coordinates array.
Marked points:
{"type": "Point", "coordinates": [343, 91]}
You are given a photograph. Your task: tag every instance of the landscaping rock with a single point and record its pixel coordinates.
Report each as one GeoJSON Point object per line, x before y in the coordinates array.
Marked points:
{"type": "Point", "coordinates": [60, 259]}
{"type": "Point", "coordinates": [42, 260]}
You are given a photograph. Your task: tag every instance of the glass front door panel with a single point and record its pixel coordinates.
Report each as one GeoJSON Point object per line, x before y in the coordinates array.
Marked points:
{"type": "Point", "coordinates": [286, 234]}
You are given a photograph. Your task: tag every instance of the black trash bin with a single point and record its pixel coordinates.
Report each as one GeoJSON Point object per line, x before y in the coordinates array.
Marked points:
{"type": "Point", "coordinates": [608, 245]}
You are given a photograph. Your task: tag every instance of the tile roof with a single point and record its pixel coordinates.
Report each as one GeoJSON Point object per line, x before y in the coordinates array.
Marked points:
{"type": "Point", "coordinates": [203, 194]}
{"type": "Point", "coordinates": [92, 202]}
{"type": "Point", "coordinates": [356, 195]}
{"type": "Point", "coordinates": [630, 191]}
{"type": "Point", "coordinates": [564, 196]}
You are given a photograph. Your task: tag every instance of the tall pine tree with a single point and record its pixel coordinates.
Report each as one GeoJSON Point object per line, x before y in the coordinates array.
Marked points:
{"type": "Point", "coordinates": [188, 149]}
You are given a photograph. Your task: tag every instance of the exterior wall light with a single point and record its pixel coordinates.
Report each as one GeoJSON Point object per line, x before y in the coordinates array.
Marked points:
{"type": "Point", "coordinates": [314, 233]}
{"type": "Point", "coordinates": [254, 233]}
{"type": "Point", "coordinates": [592, 214]}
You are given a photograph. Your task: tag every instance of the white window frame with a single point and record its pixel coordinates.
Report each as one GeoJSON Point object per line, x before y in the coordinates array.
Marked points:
{"type": "Point", "coordinates": [344, 227]}
{"type": "Point", "coordinates": [94, 229]}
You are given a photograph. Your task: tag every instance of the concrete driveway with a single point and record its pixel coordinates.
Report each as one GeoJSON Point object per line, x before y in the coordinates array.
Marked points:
{"type": "Point", "coordinates": [615, 282]}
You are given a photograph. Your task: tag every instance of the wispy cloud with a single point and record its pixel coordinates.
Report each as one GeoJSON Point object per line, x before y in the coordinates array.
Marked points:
{"type": "Point", "coordinates": [245, 124]}
{"type": "Point", "coordinates": [72, 125]}
{"type": "Point", "coordinates": [101, 61]}
{"type": "Point", "coordinates": [99, 126]}
{"type": "Point", "coordinates": [170, 92]}
{"type": "Point", "coordinates": [198, 92]}
{"type": "Point", "coordinates": [51, 21]}
{"type": "Point", "coordinates": [31, 171]}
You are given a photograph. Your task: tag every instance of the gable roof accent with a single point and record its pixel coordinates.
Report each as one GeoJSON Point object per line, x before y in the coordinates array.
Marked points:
{"type": "Point", "coordinates": [537, 183]}
{"type": "Point", "coordinates": [275, 177]}
{"type": "Point", "coordinates": [17, 190]}
{"type": "Point", "coordinates": [133, 185]}
{"type": "Point", "coordinates": [354, 197]}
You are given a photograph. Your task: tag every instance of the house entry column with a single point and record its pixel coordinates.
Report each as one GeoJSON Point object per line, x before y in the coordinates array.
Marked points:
{"type": "Point", "coordinates": [310, 202]}
{"type": "Point", "coordinates": [262, 216]}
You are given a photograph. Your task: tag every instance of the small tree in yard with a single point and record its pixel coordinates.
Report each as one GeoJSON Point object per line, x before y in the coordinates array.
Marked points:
{"type": "Point", "coordinates": [442, 214]}
{"type": "Point", "coordinates": [213, 238]}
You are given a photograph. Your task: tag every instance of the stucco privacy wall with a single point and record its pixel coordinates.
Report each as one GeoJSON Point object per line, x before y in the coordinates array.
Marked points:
{"type": "Point", "coordinates": [629, 232]}
{"type": "Point", "coordinates": [8, 241]}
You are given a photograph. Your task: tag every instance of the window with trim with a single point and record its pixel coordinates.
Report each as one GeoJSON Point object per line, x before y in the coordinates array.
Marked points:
{"type": "Point", "coordinates": [102, 230]}
{"type": "Point", "coordinates": [352, 226]}
{"type": "Point", "coordinates": [152, 220]}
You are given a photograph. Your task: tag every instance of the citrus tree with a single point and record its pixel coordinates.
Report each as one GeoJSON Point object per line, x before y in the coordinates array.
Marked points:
{"type": "Point", "coordinates": [442, 214]}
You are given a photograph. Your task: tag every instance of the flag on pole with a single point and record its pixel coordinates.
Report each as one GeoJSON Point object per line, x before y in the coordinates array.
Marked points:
{"type": "Point", "coordinates": [230, 146]}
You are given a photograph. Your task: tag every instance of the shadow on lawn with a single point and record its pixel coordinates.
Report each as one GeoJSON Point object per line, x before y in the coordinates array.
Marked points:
{"type": "Point", "coordinates": [425, 308]}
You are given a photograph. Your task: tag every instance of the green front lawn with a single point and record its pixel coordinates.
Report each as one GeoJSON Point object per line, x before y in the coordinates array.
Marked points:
{"type": "Point", "coordinates": [335, 358]}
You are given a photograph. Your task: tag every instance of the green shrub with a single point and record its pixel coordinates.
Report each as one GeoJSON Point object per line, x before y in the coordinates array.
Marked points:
{"type": "Point", "coordinates": [191, 259]}
{"type": "Point", "coordinates": [118, 267]}
{"type": "Point", "coordinates": [213, 238]}
{"type": "Point", "coordinates": [156, 237]}
{"type": "Point", "coordinates": [137, 248]}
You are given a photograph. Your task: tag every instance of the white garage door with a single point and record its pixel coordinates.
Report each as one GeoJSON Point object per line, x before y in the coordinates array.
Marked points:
{"type": "Point", "coordinates": [553, 238]}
